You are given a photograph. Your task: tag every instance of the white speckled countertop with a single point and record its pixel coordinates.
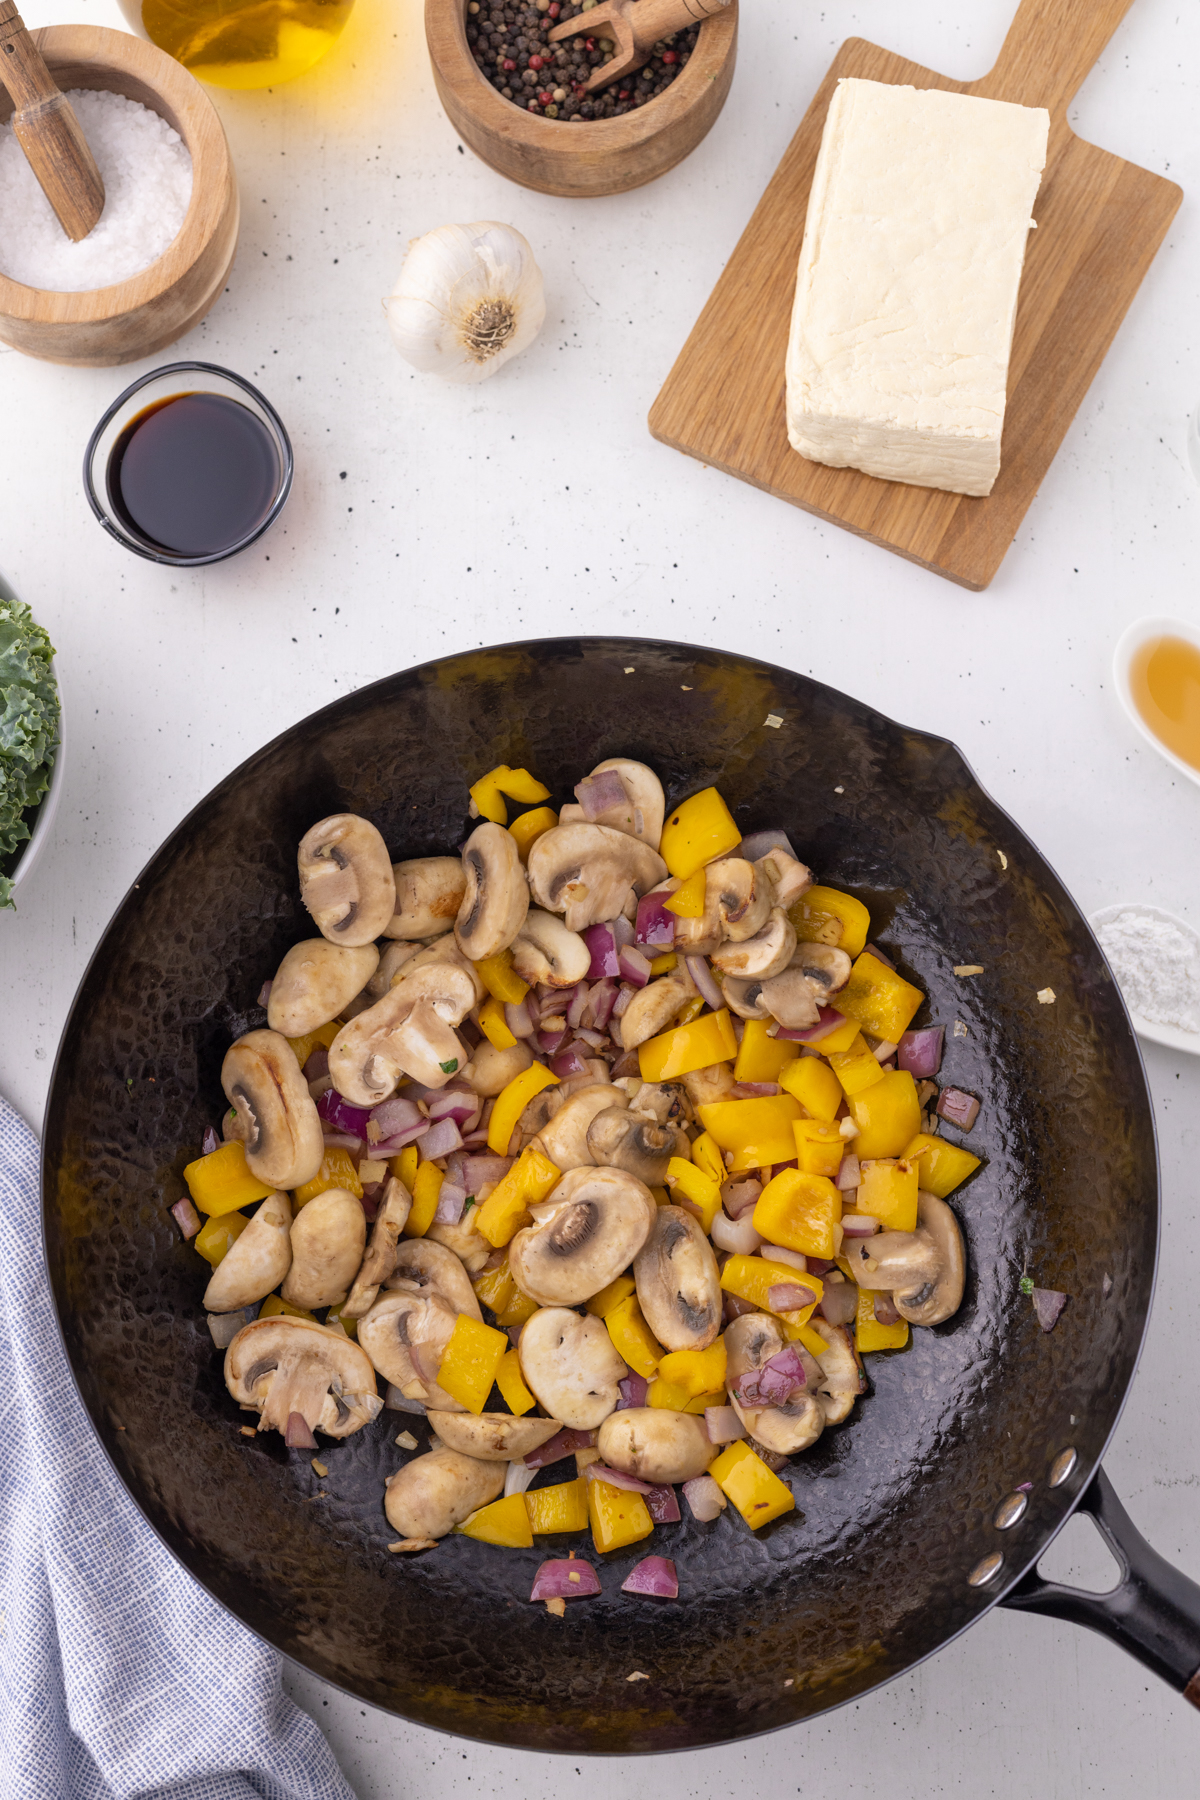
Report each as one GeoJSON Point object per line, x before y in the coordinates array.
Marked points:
{"type": "Point", "coordinates": [427, 518]}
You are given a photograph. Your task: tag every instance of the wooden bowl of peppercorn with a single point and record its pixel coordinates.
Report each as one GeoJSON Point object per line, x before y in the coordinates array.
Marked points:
{"type": "Point", "coordinates": [568, 149]}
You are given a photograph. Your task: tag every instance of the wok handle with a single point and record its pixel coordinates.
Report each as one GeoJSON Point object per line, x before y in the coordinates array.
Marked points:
{"type": "Point", "coordinates": [1154, 1610]}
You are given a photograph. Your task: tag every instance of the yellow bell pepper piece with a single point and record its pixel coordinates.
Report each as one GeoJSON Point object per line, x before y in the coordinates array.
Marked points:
{"type": "Point", "coordinates": [799, 1212]}
{"type": "Point", "coordinates": [840, 1038]}
{"type": "Point", "coordinates": [349, 1326]}
{"type": "Point", "coordinates": [511, 1103]}
{"type": "Point", "coordinates": [684, 1178]}
{"type": "Point", "coordinates": [673, 1398]}
{"type": "Point", "coordinates": [820, 1147]}
{"type": "Point", "coordinates": [662, 965]}
{"type": "Point", "coordinates": [869, 1334]}
{"type": "Point", "coordinates": [470, 1360]}
{"type": "Point", "coordinates": [812, 1340]}
{"type": "Point", "coordinates": [811, 1082]}
{"type": "Point", "coordinates": [888, 1115]}
{"type": "Point", "coordinates": [511, 1383]}
{"type": "Point", "coordinates": [856, 1068]}
{"type": "Point", "coordinates": [495, 1287]}
{"type": "Point", "coordinates": [619, 1289]}
{"type": "Point", "coordinates": [696, 1371]}
{"type": "Point", "coordinates": [660, 1196]}
{"type": "Point", "coordinates": [826, 916]}
{"type": "Point", "coordinates": [941, 1166]}
{"type": "Point", "coordinates": [764, 1058]}
{"type": "Point", "coordinates": [618, 1516]}
{"type": "Point", "coordinates": [337, 1170]}
{"type": "Point", "coordinates": [427, 1185]}
{"type": "Point", "coordinates": [881, 1000]}
{"type": "Point", "coordinates": [218, 1235]}
{"type": "Point", "coordinates": [504, 1522]}
{"type": "Point", "coordinates": [697, 833]}
{"type": "Point", "coordinates": [501, 979]}
{"type": "Point", "coordinates": [632, 1337]}
{"type": "Point", "coordinates": [521, 786]}
{"type": "Point", "coordinates": [560, 1508]}
{"type": "Point", "coordinates": [752, 1278]}
{"type": "Point", "coordinates": [686, 1048]}
{"type": "Point", "coordinates": [687, 902]}
{"type": "Point", "coordinates": [322, 1037]}
{"type": "Point", "coordinates": [487, 797]}
{"type": "Point", "coordinates": [519, 1308]}
{"type": "Point", "coordinates": [757, 1131]}
{"type": "Point", "coordinates": [272, 1306]}
{"type": "Point", "coordinates": [404, 1167]}
{"type": "Point", "coordinates": [691, 1010]}
{"type": "Point", "coordinates": [888, 1192]}
{"type": "Point", "coordinates": [530, 826]}
{"type": "Point", "coordinates": [706, 1155]}
{"type": "Point", "coordinates": [221, 1182]}
{"type": "Point", "coordinates": [755, 1490]}
{"type": "Point", "coordinates": [493, 1024]}
{"type": "Point", "coordinates": [532, 1177]}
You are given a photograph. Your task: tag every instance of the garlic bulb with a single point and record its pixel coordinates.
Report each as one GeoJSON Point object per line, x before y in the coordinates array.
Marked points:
{"type": "Point", "coordinates": [469, 297]}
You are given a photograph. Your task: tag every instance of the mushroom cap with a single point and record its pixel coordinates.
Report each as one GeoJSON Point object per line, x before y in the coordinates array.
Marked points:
{"type": "Point", "coordinates": [277, 1119]}
{"type": "Point", "coordinates": [787, 875]}
{"type": "Point", "coordinates": [584, 1234]}
{"type": "Point", "coordinates": [750, 1341]}
{"type": "Point", "coordinates": [405, 1335]}
{"type": "Point", "coordinates": [409, 1032]}
{"type": "Point", "coordinates": [382, 1250]}
{"type": "Point", "coordinates": [571, 1365]}
{"type": "Point", "coordinates": [315, 980]}
{"type": "Point", "coordinates": [743, 996]}
{"type": "Point", "coordinates": [666, 1102]}
{"type": "Point", "coordinates": [564, 1137]}
{"type": "Point", "coordinates": [283, 1365]}
{"type": "Point", "coordinates": [742, 898]}
{"type": "Point", "coordinates": [841, 1373]}
{"type": "Point", "coordinates": [789, 999]}
{"type": "Point", "coordinates": [654, 1006]}
{"type": "Point", "coordinates": [765, 954]}
{"type": "Point", "coordinates": [443, 950]}
{"type": "Point", "coordinates": [647, 802]}
{"type": "Point", "coordinates": [464, 1240]}
{"type": "Point", "coordinates": [346, 879]}
{"type": "Point", "coordinates": [429, 892]}
{"type": "Point", "coordinates": [655, 1444]}
{"type": "Point", "coordinates": [923, 1270]}
{"type": "Point", "coordinates": [588, 872]}
{"type": "Point", "coordinates": [423, 1266]}
{"type": "Point", "coordinates": [545, 951]}
{"type": "Point", "coordinates": [495, 898]}
{"type": "Point", "coordinates": [678, 1282]}
{"type": "Point", "coordinates": [390, 965]}
{"type": "Point", "coordinates": [826, 969]}
{"type": "Point", "coordinates": [493, 1437]}
{"type": "Point", "coordinates": [433, 1493]}
{"type": "Point", "coordinates": [256, 1262]}
{"type": "Point", "coordinates": [329, 1235]}
{"type": "Point", "coordinates": [490, 1070]}
{"type": "Point", "coordinates": [619, 1139]}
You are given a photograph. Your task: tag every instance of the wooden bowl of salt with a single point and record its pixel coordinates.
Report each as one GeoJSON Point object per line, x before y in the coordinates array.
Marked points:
{"type": "Point", "coordinates": [138, 316]}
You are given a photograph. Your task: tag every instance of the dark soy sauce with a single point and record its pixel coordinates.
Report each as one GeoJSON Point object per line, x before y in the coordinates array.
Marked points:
{"type": "Point", "coordinates": [194, 474]}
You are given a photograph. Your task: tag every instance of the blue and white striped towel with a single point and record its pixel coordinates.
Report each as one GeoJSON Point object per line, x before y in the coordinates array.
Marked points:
{"type": "Point", "coordinates": [119, 1676]}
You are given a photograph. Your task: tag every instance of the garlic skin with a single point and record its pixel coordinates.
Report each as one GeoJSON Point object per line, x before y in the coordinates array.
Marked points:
{"type": "Point", "coordinates": [469, 298]}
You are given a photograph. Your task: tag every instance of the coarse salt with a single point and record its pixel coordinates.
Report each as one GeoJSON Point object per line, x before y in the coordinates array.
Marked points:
{"type": "Point", "coordinates": [1157, 967]}
{"type": "Point", "coordinates": [147, 174]}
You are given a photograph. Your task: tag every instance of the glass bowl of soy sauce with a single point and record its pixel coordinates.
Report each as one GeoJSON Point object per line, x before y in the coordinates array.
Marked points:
{"type": "Point", "coordinates": [188, 466]}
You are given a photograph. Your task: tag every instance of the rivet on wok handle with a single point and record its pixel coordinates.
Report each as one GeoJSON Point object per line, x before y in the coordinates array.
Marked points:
{"type": "Point", "coordinates": [1063, 1467]}
{"type": "Point", "coordinates": [986, 1569]}
{"type": "Point", "coordinates": [1010, 1511]}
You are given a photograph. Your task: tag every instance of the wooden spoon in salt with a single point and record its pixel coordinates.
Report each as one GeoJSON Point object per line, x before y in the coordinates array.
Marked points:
{"type": "Point", "coordinates": [47, 130]}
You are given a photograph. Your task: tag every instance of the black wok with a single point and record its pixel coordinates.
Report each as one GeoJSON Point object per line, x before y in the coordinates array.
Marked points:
{"type": "Point", "coordinates": [896, 1510]}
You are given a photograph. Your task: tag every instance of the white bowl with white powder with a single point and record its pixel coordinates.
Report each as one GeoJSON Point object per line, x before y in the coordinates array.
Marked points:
{"type": "Point", "coordinates": [1155, 960]}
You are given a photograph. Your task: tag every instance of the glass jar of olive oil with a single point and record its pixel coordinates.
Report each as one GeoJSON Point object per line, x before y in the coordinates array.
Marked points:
{"type": "Point", "coordinates": [241, 43]}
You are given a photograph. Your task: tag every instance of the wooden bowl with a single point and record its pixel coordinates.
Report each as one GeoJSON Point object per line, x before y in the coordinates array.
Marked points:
{"type": "Point", "coordinates": [598, 156]}
{"type": "Point", "coordinates": [137, 317]}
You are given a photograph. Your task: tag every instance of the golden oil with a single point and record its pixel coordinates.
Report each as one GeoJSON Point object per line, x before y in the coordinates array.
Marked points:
{"type": "Point", "coordinates": [242, 43]}
{"type": "Point", "coordinates": [1165, 682]}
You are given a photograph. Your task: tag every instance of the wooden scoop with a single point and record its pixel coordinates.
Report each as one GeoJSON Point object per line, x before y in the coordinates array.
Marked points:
{"type": "Point", "coordinates": [48, 131]}
{"type": "Point", "coordinates": [635, 26]}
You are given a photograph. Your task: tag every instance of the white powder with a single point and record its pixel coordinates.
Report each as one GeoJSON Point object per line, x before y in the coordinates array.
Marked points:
{"type": "Point", "coordinates": [1157, 967]}
{"type": "Point", "coordinates": [147, 175]}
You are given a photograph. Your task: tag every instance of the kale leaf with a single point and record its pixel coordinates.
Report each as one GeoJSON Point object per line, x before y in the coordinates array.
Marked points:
{"type": "Point", "coordinates": [29, 719]}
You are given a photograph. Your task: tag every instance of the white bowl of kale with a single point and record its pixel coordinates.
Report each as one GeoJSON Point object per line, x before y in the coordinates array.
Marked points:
{"type": "Point", "coordinates": [31, 760]}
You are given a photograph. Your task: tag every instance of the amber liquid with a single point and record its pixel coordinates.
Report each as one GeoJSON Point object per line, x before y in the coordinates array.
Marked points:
{"type": "Point", "coordinates": [1165, 682]}
{"type": "Point", "coordinates": [242, 43]}
{"type": "Point", "coordinates": [194, 474]}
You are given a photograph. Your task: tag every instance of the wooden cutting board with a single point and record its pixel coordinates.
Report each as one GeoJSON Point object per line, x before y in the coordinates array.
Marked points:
{"type": "Point", "coordinates": [1100, 221]}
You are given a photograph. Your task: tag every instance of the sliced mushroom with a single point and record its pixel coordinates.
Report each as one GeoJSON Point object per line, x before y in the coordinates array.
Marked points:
{"type": "Point", "coordinates": [619, 1139]}
{"type": "Point", "coordinates": [493, 1437]}
{"type": "Point", "coordinates": [429, 892]}
{"type": "Point", "coordinates": [564, 1138]}
{"type": "Point", "coordinates": [315, 980]}
{"type": "Point", "coordinates": [408, 1032]}
{"type": "Point", "coordinates": [700, 937]}
{"type": "Point", "coordinates": [277, 1119]}
{"type": "Point", "coordinates": [744, 997]}
{"type": "Point", "coordinates": [588, 872]}
{"type": "Point", "coordinates": [704, 1086]}
{"type": "Point", "coordinates": [463, 1239]}
{"type": "Point", "coordinates": [584, 1234]}
{"type": "Point", "coordinates": [923, 1270]}
{"type": "Point", "coordinates": [346, 879]}
{"type": "Point", "coordinates": [433, 1493]}
{"type": "Point", "coordinates": [654, 1006]}
{"type": "Point", "coordinates": [382, 1251]}
{"type": "Point", "coordinates": [767, 953]}
{"type": "Point", "coordinates": [284, 1365]}
{"type": "Point", "coordinates": [666, 1102]}
{"type": "Point", "coordinates": [329, 1235]}
{"type": "Point", "coordinates": [256, 1262]}
{"type": "Point", "coordinates": [787, 876]}
{"type": "Point", "coordinates": [425, 1267]}
{"type": "Point", "coordinates": [540, 1110]}
{"type": "Point", "coordinates": [743, 899]}
{"type": "Point", "coordinates": [639, 812]}
{"type": "Point", "coordinates": [655, 1444]}
{"type": "Point", "coordinates": [496, 899]}
{"type": "Point", "coordinates": [569, 1362]}
{"type": "Point", "coordinates": [825, 969]}
{"type": "Point", "coordinates": [545, 951]}
{"type": "Point", "coordinates": [405, 1335]}
{"type": "Point", "coordinates": [490, 1070]}
{"type": "Point", "coordinates": [678, 1282]}
{"type": "Point", "coordinates": [752, 1340]}
{"type": "Point", "coordinates": [390, 964]}
{"type": "Point", "coordinates": [789, 999]}
{"type": "Point", "coordinates": [442, 950]}
{"type": "Point", "coordinates": [842, 1378]}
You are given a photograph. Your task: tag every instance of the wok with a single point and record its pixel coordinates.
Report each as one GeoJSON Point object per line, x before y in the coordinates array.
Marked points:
{"type": "Point", "coordinates": [897, 1511]}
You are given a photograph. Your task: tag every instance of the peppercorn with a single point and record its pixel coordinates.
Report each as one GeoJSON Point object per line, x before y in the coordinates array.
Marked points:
{"type": "Point", "coordinates": [512, 49]}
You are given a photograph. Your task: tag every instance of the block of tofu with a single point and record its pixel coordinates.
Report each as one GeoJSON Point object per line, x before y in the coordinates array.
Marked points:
{"type": "Point", "coordinates": [906, 295]}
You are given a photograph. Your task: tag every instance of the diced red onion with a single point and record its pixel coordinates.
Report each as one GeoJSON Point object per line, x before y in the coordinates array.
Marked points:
{"type": "Point", "coordinates": [828, 1020]}
{"type": "Point", "coordinates": [723, 1425]}
{"type": "Point", "coordinates": [392, 1146]}
{"type": "Point", "coordinates": [704, 1497]}
{"type": "Point", "coordinates": [1048, 1304]}
{"type": "Point", "coordinates": [464, 1109]}
{"type": "Point", "coordinates": [960, 1108]}
{"type": "Point", "coordinates": [754, 1090]}
{"type": "Point", "coordinates": [773, 1384]}
{"type": "Point", "coordinates": [451, 1200]}
{"type": "Point", "coordinates": [224, 1327]}
{"type": "Point", "coordinates": [186, 1217]}
{"type": "Point", "coordinates": [626, 1064]}
{"type": "Point", "coordinates": [920, 1052]}
{"type": "Point", "coordinates": [478, 1171]}
{"type": "Point", "coordinates": [371, 1195]}
{"type": "Point", "coordinates": [662, 1503]}
{"type": "Point", "coordinates": [849, 1174]}
{"type": "Point", "coordinates": [595, 1040]}
{"type": "Point", "coordinates": [440, 1140]}
{"type": "Point", "coordinates": [395, 1401]}
{"type": "Point", "coordinates": [567, 1064]}
{"type": "Point", "coordinates": [603, 946]}
{"type": "Point", "coordinates": [633, 966]}
{"type": "Point", "coordinates": [563, 1580]}
{"type": "Point", "coordinates": [653, 1575]}
{"type": "Point", "coordinates": [860, 1225]}
{"type": "Point", "coordinates": [317, 1066]}
{"type": "Point", "coordinates": [601, 1001]}
{"type": "Point", "coordinates": [796, 1259]}
{"type": "Point", "coordinates": [298, 1436]}
{"type": "Point", "coordinates": [877, 953]}
{"type": "Point", "coordinates": [633, 1391]}
{"type": "Point", "coordinates": [518, 1020]}
{"type": "Point", "coordinates": [574, 1004]}
{"type": "Point", "coordinates": [885, 1310]}
{"type": "Point", "coordinates": [759, 842]}
{"type": "Point", "coordinates": [622, 932]}
{"type": "Point", "coordinates": [550, 1042]}
{"type": "Point", "coordinates": [563, 1443]}
{"type": "Point", "coordinates": [598, 794]}
{"type": "Point", "coordinates": [264, 992]}
{"type": "Point", "coordinates": [839, 1303]}
{"type": "Point", "coordinates": [345, 1140]}
{"type": "Point", "coordinates": [337, 1111]}
{"type": "Point", "coordinates": [474, 1140]}
{"type": "Point", "coordinates": [737, 1236]}
{"type": "Point", "coordinates": [624, 996]}
{"type": "Point", "coordinates": [885, 1053]}
{"type": "Point", "coordinates": [738, 1197]}
{"type": "Point", "coordinates": [655, 927]}
{"type": "Point", "coordinates": [733, 1307]}
{"type": "Point", "coordinates": [617, 1478]}
{"type": "Point", "coordinates": [212, 1139]}
{"type": "Point", "coordinates": [706, 983]}
{"type": "Point", "coordinates": [787, 1296]}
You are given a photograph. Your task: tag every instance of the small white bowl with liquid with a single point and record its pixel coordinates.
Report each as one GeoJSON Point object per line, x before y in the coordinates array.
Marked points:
{"type": "Point", "coordinates": [1130, 646]}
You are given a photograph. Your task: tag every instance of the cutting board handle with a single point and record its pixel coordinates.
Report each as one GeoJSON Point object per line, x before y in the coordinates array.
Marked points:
{"type": "Point", "coordinates": [1050, 48]}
